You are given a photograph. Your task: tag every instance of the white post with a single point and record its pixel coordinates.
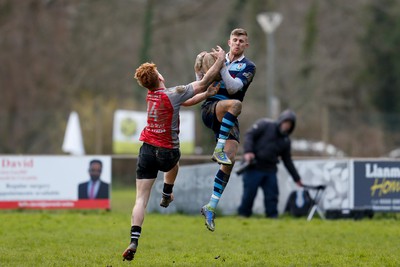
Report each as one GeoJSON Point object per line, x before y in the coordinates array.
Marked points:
{"type": "Point", "coordinates": [269, 21]}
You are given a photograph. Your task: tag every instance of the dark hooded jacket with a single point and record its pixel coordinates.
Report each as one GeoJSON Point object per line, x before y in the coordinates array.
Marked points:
{"type": "Point", "coordinates": [266, 141]}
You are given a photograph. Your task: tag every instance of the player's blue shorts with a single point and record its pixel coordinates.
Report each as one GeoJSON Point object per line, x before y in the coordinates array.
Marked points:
{"type": "Point", "coordinates": [210, 120]}
{"type": "Point", "coordinates": [153, 159]}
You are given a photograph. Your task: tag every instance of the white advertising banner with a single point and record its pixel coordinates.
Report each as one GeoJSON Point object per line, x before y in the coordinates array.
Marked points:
{"type": "Point", "coordinates": [129, 124]}
{"type": "Point", "coordinates": [36, 182]}
{"type": "Point", "coordinates": [194, 185]}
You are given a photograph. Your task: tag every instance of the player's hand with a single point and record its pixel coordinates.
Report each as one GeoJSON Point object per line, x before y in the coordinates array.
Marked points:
{"type": "Point", "coordinates": [219, 53]}
{"type": "Point", "coordinates": [198, 62]}
{"type": "Point", "coordinates": [213, 89]}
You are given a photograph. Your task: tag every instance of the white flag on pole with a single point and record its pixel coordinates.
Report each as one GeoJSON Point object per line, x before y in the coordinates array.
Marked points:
{"type": "Point", "coordinates": [73, 141]}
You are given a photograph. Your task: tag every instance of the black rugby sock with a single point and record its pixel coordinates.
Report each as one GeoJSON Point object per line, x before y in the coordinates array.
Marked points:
{"type": "Point", "coordinates": [135, 234]}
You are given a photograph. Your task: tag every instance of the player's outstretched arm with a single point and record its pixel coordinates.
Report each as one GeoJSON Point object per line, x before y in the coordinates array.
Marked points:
{"type": "Point", "coordinates": [211, 90]}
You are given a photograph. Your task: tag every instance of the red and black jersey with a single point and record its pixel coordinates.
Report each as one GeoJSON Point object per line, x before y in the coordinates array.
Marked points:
{"type": "Point", "coordinates": [162, 129]}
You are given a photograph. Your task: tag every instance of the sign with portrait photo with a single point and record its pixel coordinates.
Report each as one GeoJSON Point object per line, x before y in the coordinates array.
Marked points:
{"type": "Point", "coordinates": [55, 182]}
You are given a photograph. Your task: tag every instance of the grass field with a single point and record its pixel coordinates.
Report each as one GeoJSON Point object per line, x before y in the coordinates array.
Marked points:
{"type": "Point", "coordinates": [98, 238]}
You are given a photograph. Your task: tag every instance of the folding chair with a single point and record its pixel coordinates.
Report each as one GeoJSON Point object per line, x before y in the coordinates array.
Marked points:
{"type": "Point", "coordinates": [319, 190]}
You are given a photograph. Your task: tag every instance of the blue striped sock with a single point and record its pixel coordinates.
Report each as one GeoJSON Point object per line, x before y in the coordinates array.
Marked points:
{"type": "Point", "coordinates": [220, 181]}
{"type": "Point", "coordinates": [228, 121]}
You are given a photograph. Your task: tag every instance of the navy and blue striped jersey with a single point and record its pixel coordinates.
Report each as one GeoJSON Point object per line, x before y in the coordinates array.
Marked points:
{"type": "Point", "coordinates": [243, 69]}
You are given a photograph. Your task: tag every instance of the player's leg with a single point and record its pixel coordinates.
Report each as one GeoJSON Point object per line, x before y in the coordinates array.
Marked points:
{"type": "Point", "coordinates": [143, 189]}
{"type": "Point", "coordinates": [226, 112]}
{"type": "Point", "coordinates": [169, 180]}
{"type": "Point", "coordinates": [146, 174]}
{"type": "Point", "coordinates": [231, 148]}
{"type": "Point", "coordinates": [208, 210]}
{"type": "Point", "coordinates": [168, 162]}
{"type": "Point", "coordinates": [221, 179]}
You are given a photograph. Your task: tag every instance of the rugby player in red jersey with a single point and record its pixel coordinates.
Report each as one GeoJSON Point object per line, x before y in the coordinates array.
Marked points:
{"type": "Point", "coordinates": [160, 148]}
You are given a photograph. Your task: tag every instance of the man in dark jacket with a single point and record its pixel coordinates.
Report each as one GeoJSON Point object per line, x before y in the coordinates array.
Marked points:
{"type": "Point", "coordinates": [264, 143]}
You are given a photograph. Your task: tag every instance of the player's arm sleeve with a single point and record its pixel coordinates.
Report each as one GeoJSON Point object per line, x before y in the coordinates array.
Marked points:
{"type": "Point", "coordinates": [189, 92]}
{"type": "Point", "coordinates": [232, 85]}
{"type": "Point", "coordinates": [181, 93]}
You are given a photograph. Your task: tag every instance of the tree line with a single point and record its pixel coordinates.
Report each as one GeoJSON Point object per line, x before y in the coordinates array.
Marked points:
{"type": "Point", "coordinates": [336, 66]}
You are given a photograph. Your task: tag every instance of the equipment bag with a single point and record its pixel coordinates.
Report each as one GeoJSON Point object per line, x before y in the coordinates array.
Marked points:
{"type": "Point", "coordinates": [299, 203]}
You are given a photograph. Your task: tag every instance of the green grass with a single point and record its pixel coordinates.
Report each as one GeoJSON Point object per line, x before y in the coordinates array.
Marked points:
{"type": "Point", "coordinates": [98, 238]}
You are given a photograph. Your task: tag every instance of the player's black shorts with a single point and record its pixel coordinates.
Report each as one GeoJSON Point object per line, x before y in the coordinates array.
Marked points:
{"type": "Point", "coordinates": [153, 159]}
{"type": "Point", "coordinates": [210, 120]}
